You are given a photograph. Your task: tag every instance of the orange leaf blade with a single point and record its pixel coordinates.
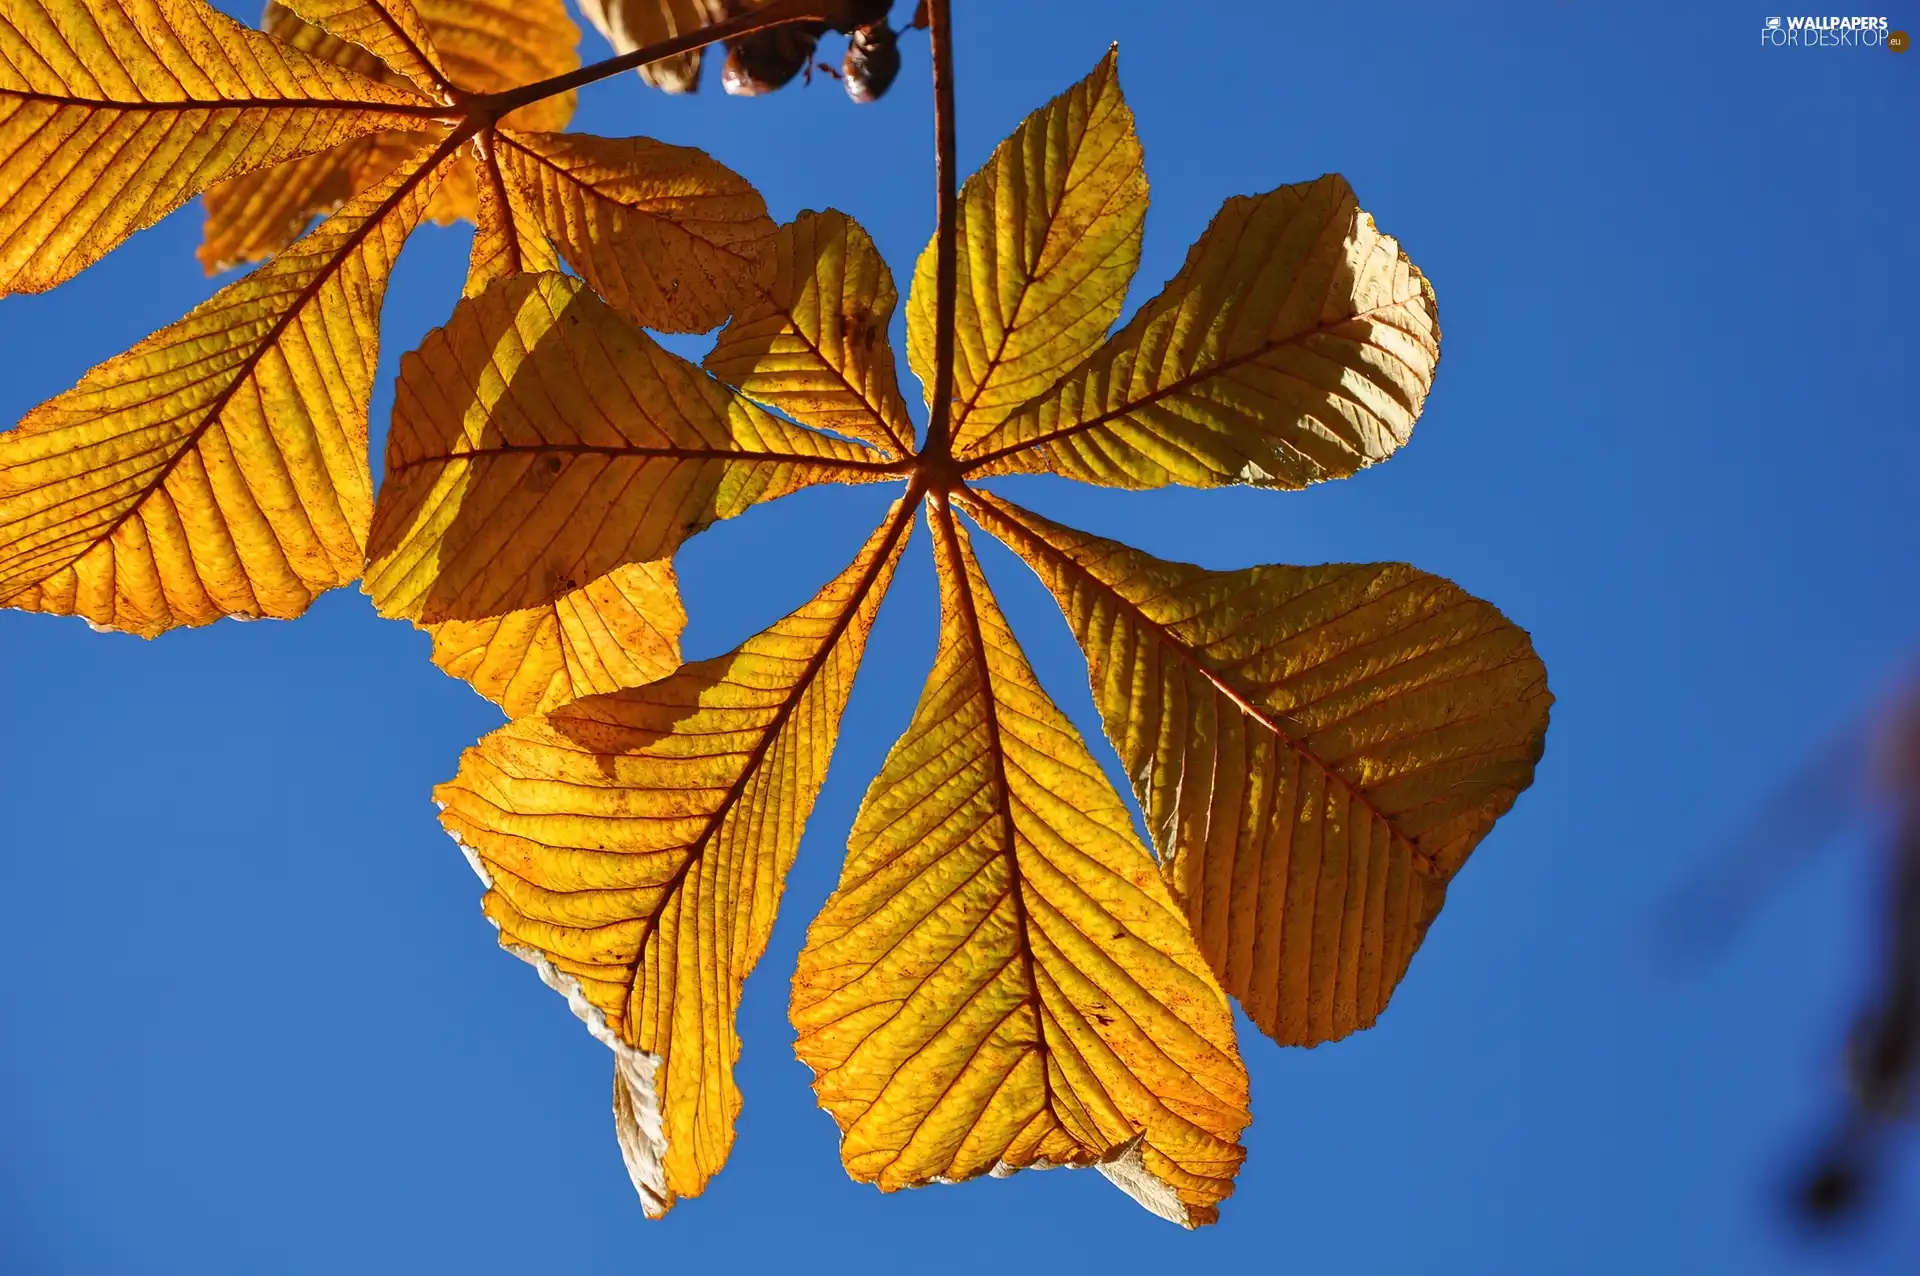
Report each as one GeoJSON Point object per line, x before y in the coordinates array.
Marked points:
{"type": "Point", "coordinates": [1001, 979]}
{"type": "Point", "coordinates": [621, 630]}
{"type": "Point", "coordinates": [811, 339]}
{"type": "Point", "coordinates": [1317, 750]}
{"type": "Point", "coordinates": [218, 468]}
{"type": "Point", "coordinates": [391, 30]}
{"type": "Point", "coordinates": [635, 846]}
{"type": "Point", "coordinates": [666, 234]}
{"type": "Point", "coordinates": [539, 442]}
{"type": "Point", "coordinates": [1048, 240]}
{"type": "Point", "coordinates": [1297, 344]}
{"type": "Point", "coordinates": [114, 114]}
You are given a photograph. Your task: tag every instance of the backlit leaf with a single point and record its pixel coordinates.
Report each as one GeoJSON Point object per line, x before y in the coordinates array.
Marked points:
{"type": "Point", "coordinates": [1317, 750]}
{"type": "Point", "coordinates": [251, 217]}
{"type": "Point", "coordinates": [391, 30]}
{"type": "Point", "coordinates": [811, 339]}
{"type": "Point", "coordinates": [218, 468]}
{"type": "Point", "coordinates": [507, 240]}
{"type": "Point", "coordinates": [618, 631]}
{"type": "Point", "coordinates": [254, 216]}
{"type": "Point", "coordinates": [115, 112]}
{"type": "Point", "coordinates": [667, 235]}
{"type": "Point", "coordinates": [1297, 344]}
{"type": "Point", "coordinates": [1002, 980]}
{"type": "Point", "coordinates": [1049, 236]}
{"type": "Point", "coordinates": [635, 24]}
{"type": "Point", "coordinates": [635, 846]}
{"type": "Point", "coordinates": [539, 441]}
{"type": "Point", "coordinates": [1004, 976]}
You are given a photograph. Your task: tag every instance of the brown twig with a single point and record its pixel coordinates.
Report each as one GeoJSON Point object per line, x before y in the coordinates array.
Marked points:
{"type": "Point", "coordinates": [946, 234]}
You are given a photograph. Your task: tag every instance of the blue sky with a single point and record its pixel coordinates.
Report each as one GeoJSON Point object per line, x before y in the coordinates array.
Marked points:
{"type": "Point", "coordinates": [256, 1023]}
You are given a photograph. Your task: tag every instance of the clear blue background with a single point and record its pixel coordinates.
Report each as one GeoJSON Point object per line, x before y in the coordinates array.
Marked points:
{"type": "Point", "coordinates": [251, 1019]}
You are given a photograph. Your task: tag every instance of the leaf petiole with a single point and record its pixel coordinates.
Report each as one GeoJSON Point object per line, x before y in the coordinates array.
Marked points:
{"type": "Point", "coordinates": [946, 234]}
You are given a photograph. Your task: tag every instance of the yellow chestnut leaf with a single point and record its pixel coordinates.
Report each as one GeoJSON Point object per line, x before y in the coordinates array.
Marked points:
{"type": "Point", "coordinates": [1317, 751]}
{"type": "Point", "coordinates": [635, 845]}
{"type": "Point", "coordinates": [1002, 980]}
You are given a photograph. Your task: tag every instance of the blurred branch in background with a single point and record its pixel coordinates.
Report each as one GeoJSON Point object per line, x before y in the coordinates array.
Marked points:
{"type": "Point", "coordinates": [1875, 764]}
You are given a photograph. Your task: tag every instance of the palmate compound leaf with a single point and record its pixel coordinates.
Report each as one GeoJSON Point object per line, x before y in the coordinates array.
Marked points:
{"type": "Point", "coordinates": [541, 442]}
{"type": "Point", "coordinates": [1296, 344]}
{"type": "Point", "coordinates": [477, 46]}
{"type": "Point", "coordinates": [1048, 240]}
{"type": "Point", "coordinates": [1317, 750]}
{"type": "Point", "coordinates": [114, 113]}
{"type": "Point", "coordinates": [635, 845]}
{"type": "Point", "coordinates": [1002, 980]}
{"type": "Point", "coordinates": [218, 468]}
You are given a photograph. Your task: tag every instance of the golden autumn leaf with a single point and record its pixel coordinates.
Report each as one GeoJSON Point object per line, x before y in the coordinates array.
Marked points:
{"type": "Point", "coordinates": [394, 31]}
{"type": "Point", "coordinates": [1005, 976]}
{"type": "Point", "coordinates": [1001, 979]}
{"type": "Point", "coordinates": [114, 115]}
{"type": "Point", "coordinates": [505, 240]}
{"type": "Point", "coordinates": [619, 630]}
{"type": "Point", "coordinates": [635, 844]}
{"type": "Point", "coordinates": [663, 232]}
{"type": "Point", "coordinates": [249, 218]}
{"type": "Point", "coordinates": [619, 209]}
{"type": "Point", "coordinates": [145, 498]}
{"type": "Point", "coordinates": [493, 46]}
{"type": "Point", "coordinates": [540, 442]}
{"type": "Point", "coordinates": [454, 46]}
{"type": "Point", "coordinates": [1317, 750]}
{"type": "Point", "coordinates": [1048, 238]}
{"type": "Point", "coordinates": [219, 467]}
{"type": "Point", "coordinates": [1297, 344]}
{"type": "Point", "coordinates": [811, 340]}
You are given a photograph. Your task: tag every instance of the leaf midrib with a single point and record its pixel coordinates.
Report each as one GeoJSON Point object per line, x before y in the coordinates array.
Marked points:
{"type": "Point", "coordinates": [665, 451]}
{"type": "Point", "coordinates": [1171, 388]}
{"type": "Point", "coordinates": [345, 105]}
{"type": "Point", "coordinates": [1003, 803]}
